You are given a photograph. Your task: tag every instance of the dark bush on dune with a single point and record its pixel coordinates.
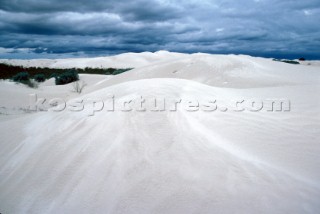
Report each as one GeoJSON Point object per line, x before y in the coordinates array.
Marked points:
{"type": "Point", "coordinates": [67, 77]}
{"type": "Point", "coordinates": [290, 62]}
{"type": "Point", "coordinates": [119, 71]}
{"type": "Point", "coordinates": [110, 71]}
{"type": "Point", "coordinates": [287, 61]}
{"type": "Point", "coordinates": [7, 71]}
{"type": "Point", "coordinates": [24, 78]}
{"type": "Point", "coordinates": [53, 75]}
{"type": "Point", "coordinates": [21, 77]}
{"type": "Point", "coordinates": [39, 77]}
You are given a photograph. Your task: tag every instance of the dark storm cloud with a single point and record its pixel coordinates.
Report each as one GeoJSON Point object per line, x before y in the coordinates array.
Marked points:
{"type": "Point", "coordinates": [258, 27]}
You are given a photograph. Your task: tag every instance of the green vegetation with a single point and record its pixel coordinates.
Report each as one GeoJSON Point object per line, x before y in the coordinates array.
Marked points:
{"type": "Point", "coordinates": [67, 77]}
{"type": "Point", "coordinates": [24, 78]}
{"type": "Point", "coordinates": [8, 71]}
{"type": "Point", "coordinates": [21, 77]}
{"type": "Point", "coordinates": [290, 62]}
{"type": "Point", "coordinates": [287, 61]}
{"type": "Point", "coordinates": [39, 77]}
{"type": "Point", "coordinates": [53, 75]}
{"type": "Point", "coordinates": [119, 71]}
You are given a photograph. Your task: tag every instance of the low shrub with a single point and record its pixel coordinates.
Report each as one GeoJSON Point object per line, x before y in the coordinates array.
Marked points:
{"type": "Point", "coordinates": [32, 84]}
{"type": "Point", "coordinates": [21, 77]}
{"type": "Point", "coordinates": [39, 78]}
{"type": "Point", "coordinates": [53, 75]}
{"type": "Point", "coordinates": [67, 77]}
{"type": "Point", "coordinates": [287, 61]}
{"type": "Point", "coordinates": [119, 71]}
{"type": "Point", "coordinates": [290, 62]}
{"type": "Point", "coordinates": [7, 71]}
{"type": "Point", "coordinates": [24, 78]}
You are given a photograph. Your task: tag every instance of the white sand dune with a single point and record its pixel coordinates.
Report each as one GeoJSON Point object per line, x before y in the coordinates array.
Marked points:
{"type": "Point", "coordinates": [166, 162]}
{"type": "Point", "coordinates": [127, 60]}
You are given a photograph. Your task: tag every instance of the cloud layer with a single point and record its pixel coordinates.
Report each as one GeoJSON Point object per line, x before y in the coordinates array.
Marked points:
{"type": "Point", "coordinates": [59, 28]}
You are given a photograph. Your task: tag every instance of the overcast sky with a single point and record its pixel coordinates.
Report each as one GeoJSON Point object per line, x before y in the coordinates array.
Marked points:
{"type": "Point", "coordinates": [72, 28]}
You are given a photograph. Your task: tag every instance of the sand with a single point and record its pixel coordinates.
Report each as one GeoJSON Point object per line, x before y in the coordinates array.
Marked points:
{"type": "Point", "coordinates": [170, 161]}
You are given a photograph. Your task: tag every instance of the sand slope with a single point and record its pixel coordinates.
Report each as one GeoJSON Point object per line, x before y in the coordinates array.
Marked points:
{"type": "Point", "coordinates": [167, 162]}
